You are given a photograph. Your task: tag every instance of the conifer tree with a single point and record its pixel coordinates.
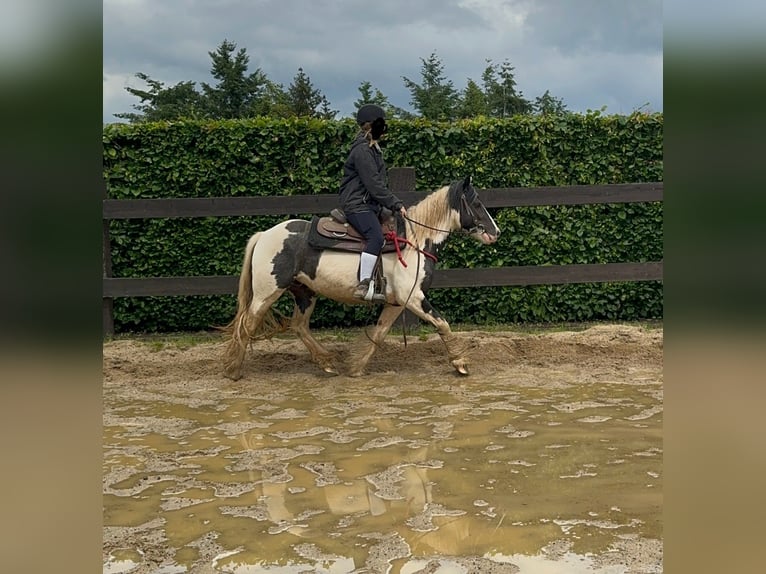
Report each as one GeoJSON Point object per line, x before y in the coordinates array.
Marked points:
{"type": "Point", "coordinates": [435, 98]}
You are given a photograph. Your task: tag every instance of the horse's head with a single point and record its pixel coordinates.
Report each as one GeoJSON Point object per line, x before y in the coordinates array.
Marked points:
{"type": "Point", "coordinates": [474, 217]}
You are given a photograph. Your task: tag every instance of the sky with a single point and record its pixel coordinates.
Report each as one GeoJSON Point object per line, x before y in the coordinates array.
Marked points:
{"type": "Point", "coordinates": [589, 53]}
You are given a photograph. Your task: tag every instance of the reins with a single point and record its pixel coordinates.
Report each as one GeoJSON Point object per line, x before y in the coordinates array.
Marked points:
{"type": "Point", "coordinates": [408, 218]}
{"type": "Point", "coordinates": [464, 203]}
{"type": "Point", "coordinates": [396, 240]}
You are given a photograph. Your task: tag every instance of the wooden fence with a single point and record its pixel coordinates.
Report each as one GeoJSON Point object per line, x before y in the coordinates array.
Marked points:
{"type": "Point", "coordinates": [402, 181]}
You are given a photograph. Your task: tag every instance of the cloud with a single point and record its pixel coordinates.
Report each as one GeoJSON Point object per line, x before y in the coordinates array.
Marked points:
{"type": "Point", "coordinates": [597, 26]}
{"type": "Point", "coordinates": [558, 45]}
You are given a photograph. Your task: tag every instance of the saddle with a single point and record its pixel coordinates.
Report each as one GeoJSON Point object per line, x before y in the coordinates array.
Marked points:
{"type": "Point", "coordinates": [335, 232]}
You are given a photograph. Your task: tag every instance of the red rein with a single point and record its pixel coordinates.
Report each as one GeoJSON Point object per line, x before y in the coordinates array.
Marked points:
{"type": "Point", "coordinates": [396, 240]}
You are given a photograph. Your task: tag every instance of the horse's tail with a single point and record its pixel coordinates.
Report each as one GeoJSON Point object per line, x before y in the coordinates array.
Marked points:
{"type": "Point", "coordinates": [246, 325]}
{"type": "Point", "coordinates": [245, 292]}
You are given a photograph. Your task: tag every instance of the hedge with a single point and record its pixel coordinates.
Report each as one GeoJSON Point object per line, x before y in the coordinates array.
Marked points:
{"type": "Point", "coordinates": [267, 156]}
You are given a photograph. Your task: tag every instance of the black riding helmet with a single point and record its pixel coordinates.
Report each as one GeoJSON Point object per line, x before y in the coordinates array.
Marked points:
{"type": "Point", "coordinates": [369, 113]}
{"type": "Point", "coordinates": [375, 116]}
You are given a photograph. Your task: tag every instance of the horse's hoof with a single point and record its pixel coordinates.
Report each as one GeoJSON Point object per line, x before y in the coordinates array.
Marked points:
{"type": "Point", "coordinates": [461, 367]}
{"type": "Point", "coordinates": [234, 376]}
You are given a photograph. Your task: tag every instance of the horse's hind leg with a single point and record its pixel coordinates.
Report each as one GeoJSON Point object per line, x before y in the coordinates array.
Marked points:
{"type": "Point", "coordinates": [253, 321]}
{"type": "Point", "coordinates": [358, 360]}
{"type": "Point", "coordinates": [305, 301]}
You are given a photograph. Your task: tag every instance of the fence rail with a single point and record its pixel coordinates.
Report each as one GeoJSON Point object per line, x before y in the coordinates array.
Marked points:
{"type": "Point", "coordinates": [309, 204]}
{"type": "Point", "coordinates": [402, 180]}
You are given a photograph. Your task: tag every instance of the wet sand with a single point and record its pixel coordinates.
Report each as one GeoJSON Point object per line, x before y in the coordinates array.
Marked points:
{"type": "Point", "coordinates": [547, 458]}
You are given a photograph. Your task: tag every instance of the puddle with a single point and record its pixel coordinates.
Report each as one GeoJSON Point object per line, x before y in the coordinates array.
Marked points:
{"type": "Point", "coordinates": [389, 473]}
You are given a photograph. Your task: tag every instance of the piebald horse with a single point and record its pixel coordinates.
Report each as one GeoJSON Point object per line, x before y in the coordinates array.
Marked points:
{"type": "Point", "coordinates": [282, 259]}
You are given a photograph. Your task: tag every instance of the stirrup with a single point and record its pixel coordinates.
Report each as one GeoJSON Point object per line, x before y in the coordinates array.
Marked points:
{"type": "Point", "coordinates": [361, 289]}
{"type": "Point", "coordinates": [370, 291]}
{"type": "Point", "coordinates": [371, 295]}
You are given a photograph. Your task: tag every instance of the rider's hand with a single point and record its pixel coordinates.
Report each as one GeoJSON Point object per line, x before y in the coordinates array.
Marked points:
{"type": "Point", "coordinates": [403, 211]}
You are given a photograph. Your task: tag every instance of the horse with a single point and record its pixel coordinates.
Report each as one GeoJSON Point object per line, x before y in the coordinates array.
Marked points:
{"type": "Point", "coordinates": [285, 258]}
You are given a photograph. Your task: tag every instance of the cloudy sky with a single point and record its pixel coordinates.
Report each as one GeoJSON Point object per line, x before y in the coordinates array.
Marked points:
{"type": "Point", "coordinates": [590, 53]}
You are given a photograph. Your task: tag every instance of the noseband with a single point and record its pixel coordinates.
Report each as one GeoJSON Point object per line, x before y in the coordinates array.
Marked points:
{"type": "Point", "coordinates": [468, 216]}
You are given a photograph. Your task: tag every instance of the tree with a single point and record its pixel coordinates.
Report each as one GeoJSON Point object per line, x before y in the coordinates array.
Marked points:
{"type": "Point", "coordinates": [274, 102]}
{"type": "Point", "coordinates": [368, 96]}
{"type": "Point", "coordinates": [549, 105]}
{"type": "Point", "coordinates": [305, 100]}
{"type": "Point", "coordinates": [436, 98]}
{"type": "Point", "coordinates": [473, 102]}
{"type": "Point", "coordinates": [237, 94]}
{"type": "Point", "coordinates": [500, 90]}
{"type": "Point", "coordinates": [325, 111]}
{"type": "Point", "coordinates": [161, 103]}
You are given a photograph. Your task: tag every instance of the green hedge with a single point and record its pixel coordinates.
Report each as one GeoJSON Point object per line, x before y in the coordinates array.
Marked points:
{"type": "Point", "coordinates": [268, 156]}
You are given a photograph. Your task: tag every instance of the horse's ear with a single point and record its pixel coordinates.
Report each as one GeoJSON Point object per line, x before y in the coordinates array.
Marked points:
{"type": "Point", "coordinates": [467, 182]}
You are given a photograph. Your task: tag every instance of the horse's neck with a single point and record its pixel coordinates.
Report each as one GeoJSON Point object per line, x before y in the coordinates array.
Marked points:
{"type": "Point", "coordinates": [433, 219]}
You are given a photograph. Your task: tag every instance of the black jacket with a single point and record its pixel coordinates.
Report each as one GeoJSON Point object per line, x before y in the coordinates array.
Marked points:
{"type": "Point", "coordinates": [363, 187]}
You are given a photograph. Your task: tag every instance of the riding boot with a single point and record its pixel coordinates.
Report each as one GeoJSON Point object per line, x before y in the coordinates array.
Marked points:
{"type": "Point", "coordinates": [367, 263]}
{"type": "Point", "coordinates": [372, 285]}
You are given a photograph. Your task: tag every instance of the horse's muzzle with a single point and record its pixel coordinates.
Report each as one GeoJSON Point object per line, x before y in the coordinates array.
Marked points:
{"type": "Point", "coordinates": [482, 235]}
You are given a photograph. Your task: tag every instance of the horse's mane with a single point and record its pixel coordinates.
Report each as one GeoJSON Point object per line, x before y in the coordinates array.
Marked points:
{"type": "Point", "coordinates": [438, 210]}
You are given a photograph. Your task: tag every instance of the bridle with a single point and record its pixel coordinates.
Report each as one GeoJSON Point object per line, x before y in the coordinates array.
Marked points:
{"type": "Point", "coordinates": [471, 226]}
{"type": "Point", "coordinates": [467, 225]}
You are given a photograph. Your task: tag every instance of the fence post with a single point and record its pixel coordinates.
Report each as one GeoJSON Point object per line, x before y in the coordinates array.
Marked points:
{"type": "Point", "coordinates": [403, 179]}
{"type": "Point", "coordinates": [107, 303]}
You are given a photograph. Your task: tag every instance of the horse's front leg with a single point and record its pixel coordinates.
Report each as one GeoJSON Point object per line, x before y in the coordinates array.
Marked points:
{"type": "Point", "coordinates": [358, 360]}
{"type": "Point", "coordinates": [456, 349]}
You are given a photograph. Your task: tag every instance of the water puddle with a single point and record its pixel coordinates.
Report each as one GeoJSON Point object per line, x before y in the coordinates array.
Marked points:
{"type": "Point", "coordinates": [416, 476]}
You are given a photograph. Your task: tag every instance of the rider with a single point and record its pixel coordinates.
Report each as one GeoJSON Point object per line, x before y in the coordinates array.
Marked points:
{"type": "Point", "coordinates": [363, 192]}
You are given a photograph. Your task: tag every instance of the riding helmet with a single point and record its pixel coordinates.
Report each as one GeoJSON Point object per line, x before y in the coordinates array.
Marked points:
{"type": "Point", "coordinates": [369, 113]}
